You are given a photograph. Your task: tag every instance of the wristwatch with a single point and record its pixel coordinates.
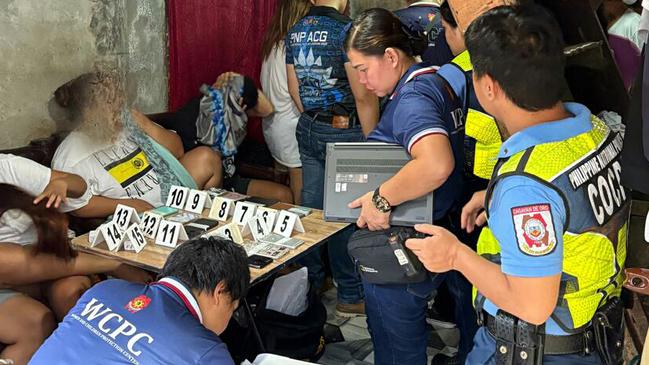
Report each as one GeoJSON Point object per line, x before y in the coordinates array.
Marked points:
{"type": "Point", "coordinates": [381, 203]}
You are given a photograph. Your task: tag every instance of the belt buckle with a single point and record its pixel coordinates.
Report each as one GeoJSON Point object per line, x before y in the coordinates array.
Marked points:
{"type": "Point", "coordinates": [340, 122]}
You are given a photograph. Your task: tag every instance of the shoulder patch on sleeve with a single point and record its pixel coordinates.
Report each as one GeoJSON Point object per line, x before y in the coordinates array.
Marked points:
{"type": "Point", "coordinates": [535, 233]}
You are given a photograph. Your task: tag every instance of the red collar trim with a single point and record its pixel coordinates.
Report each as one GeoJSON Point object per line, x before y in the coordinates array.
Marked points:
{"type": "Point", "coordinates": [184, 294]}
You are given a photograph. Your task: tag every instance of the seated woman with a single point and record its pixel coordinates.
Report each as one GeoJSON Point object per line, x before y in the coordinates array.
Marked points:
{"type": "Point", "coordinates": [41, 277]}
{"type": "Point", "coordinates": [123, 155]}
{"type": "Point", "coordinates": [224, 132]}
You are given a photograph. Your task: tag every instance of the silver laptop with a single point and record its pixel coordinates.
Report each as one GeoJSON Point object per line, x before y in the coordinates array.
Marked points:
{"type": "Point", "coordinates": [353, 169]}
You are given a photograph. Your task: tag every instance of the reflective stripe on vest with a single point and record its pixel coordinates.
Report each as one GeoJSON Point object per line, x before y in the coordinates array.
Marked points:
{"type": "Point", "coordinates": [585, 171]}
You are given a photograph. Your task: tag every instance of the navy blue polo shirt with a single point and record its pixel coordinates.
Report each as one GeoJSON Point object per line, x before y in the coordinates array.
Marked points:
{"type": "Point", "coordinates": [418, 18]}
{"type": "Point", "coordinates": [117, 322]}
{"type": "Point", "coordinates": [315, 47]}
{"type": "Point", "coordinates": [421, 105]}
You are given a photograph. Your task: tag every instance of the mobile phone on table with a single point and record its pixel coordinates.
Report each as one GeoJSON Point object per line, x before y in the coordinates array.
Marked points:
{"type": "Point", "coordinates": [261, 201]}
{"type": "Point", "coordinates": [258, 262]}
{"type": "Point", "coordinates": [164, 211]}
{"type": "Point", "coordinates": [205, 223]}
{"type": "Point", "coordinates": [193, 232]}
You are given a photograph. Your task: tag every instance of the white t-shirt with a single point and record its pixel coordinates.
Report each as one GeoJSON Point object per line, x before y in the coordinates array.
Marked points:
{"type": "Point", "coordinates": [118, 171]}
{"type": "Point", "coordinates": [627, 27]}
{"type": "Point", "coordinates": [16, 226]}
{"type": "Point", "coordinates": [279, 127]}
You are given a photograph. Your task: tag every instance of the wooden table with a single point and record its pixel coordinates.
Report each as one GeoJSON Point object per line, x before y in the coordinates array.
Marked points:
{"type": "Point", "coordinates": [153, 256]}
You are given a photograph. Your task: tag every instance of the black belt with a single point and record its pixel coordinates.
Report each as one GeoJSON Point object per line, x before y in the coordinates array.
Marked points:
{"type": "Point", "coordinates": [322, 117]}
{"type": "Point", "coordinates": [327, 117]}
{"type": "Point", "coordinates": [582, 342]}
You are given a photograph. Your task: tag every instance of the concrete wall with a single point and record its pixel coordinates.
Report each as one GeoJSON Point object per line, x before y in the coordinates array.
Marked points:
{"type": "Point", "coordinates": [46, 43]}
{"type": "Point", "coordinates": [146, 39]}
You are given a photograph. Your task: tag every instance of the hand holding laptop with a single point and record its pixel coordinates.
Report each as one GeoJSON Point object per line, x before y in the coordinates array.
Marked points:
{"type": "Point", "coordinates": [370, 216]}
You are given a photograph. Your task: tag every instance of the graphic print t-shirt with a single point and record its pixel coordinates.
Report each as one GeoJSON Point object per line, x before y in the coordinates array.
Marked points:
{"type": "Point", "coordinates": [117, 171]}
{"type": "Point", "coordinates": [314, 46]}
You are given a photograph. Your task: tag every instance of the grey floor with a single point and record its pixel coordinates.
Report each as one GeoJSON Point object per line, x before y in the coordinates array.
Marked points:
{"type": "Point", "coordinates": [356, 349]}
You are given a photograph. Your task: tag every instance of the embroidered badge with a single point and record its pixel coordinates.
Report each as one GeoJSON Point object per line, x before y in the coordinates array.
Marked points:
{"type": "Point", "coordinates": [535, 232]}
{"type": "Point", "coordinates": [138, 303]}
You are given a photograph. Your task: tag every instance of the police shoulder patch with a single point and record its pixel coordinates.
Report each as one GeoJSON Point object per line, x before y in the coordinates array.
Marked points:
{"type": "Point", "coordinates": [535, 232]}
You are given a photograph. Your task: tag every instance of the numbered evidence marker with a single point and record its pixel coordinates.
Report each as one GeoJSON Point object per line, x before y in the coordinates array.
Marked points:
{"type": "Point", "coordinates": [134, 240]}
{"type": "Point", "coordinates": [177, 197]}
{"type": "Point", "coordinates": [197, 201]}
{"type": "Point", "coordinates": [287, 222]}
{"type": "Point", "coordinates": [169, 233]}
{"type": "Point", "coordinates": [221, 209]}
{"type": "Point", "coordinates": [150, 223]}
{"type": "Point", "coordinates": [268, 215]}
{"type": "Point", "coordinates": [229, 231]}
{"type": "Point", "coordinates": [244, 211]}
{"type": "Point", "coordinates": [124, 216]}
{"type": "Point", "coordinates": [258, 227]}
{"type": "Point", "coordinates": [109, 233]}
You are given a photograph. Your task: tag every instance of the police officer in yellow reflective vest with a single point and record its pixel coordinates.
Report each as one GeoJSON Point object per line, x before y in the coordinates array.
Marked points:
{"type": "Point", "coordinates": [550, 264]}
{"type": "Point", "coordinates": [482, 137]}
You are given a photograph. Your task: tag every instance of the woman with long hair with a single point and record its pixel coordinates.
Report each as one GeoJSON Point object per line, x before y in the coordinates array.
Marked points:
{"type": "Point", "coordinates": [279, 128]}
{"type": "Point", "coordinates": [41, 276]}
{"type": "Point", "coordinates": [422, 113]}
{"type": "Point", "coordinates": [124, 156]}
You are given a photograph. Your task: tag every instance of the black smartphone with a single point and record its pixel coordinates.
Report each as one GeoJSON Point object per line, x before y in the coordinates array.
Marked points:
{"type": "Point", "coordinates": [193, 231]}
{"type": "Point", "coordinates": [205, 223]}
{"type": "Point", "coordinates": [258, 262]}
{"type": "Point", "coordinates": [261, 201]}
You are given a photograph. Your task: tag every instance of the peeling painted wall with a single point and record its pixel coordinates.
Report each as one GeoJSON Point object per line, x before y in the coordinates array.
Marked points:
{"type": "Point", "coordinates": [146, 39]}
{"type": "Point", "coordinates": [43, 44]}
{"type": "Point", "coordinates": [46, 43]}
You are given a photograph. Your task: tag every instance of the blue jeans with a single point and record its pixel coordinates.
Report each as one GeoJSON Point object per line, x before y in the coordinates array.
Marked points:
{"type": "Point", "coordinates": [396, 319]}
{"type": "Point", "coordinates": [484, 349]}
{"type": "Point", "coordinates": [465, 317]}
{"type": "Point", "coordinates": [312, 138]}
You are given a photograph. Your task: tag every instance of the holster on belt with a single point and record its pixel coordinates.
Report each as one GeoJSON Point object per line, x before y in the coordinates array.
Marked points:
{"type": "Point", "coordinates": [608, 325]}
{"type": "Point", "coordinates": [517, 342]}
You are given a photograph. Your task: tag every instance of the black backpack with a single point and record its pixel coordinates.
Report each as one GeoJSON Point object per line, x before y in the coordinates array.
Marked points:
{"type": "Point", "coordinates": [300, 337]}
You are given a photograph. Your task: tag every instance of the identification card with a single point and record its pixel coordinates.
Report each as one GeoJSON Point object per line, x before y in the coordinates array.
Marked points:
{"type": "Point", "coordinates": [272, 251]}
